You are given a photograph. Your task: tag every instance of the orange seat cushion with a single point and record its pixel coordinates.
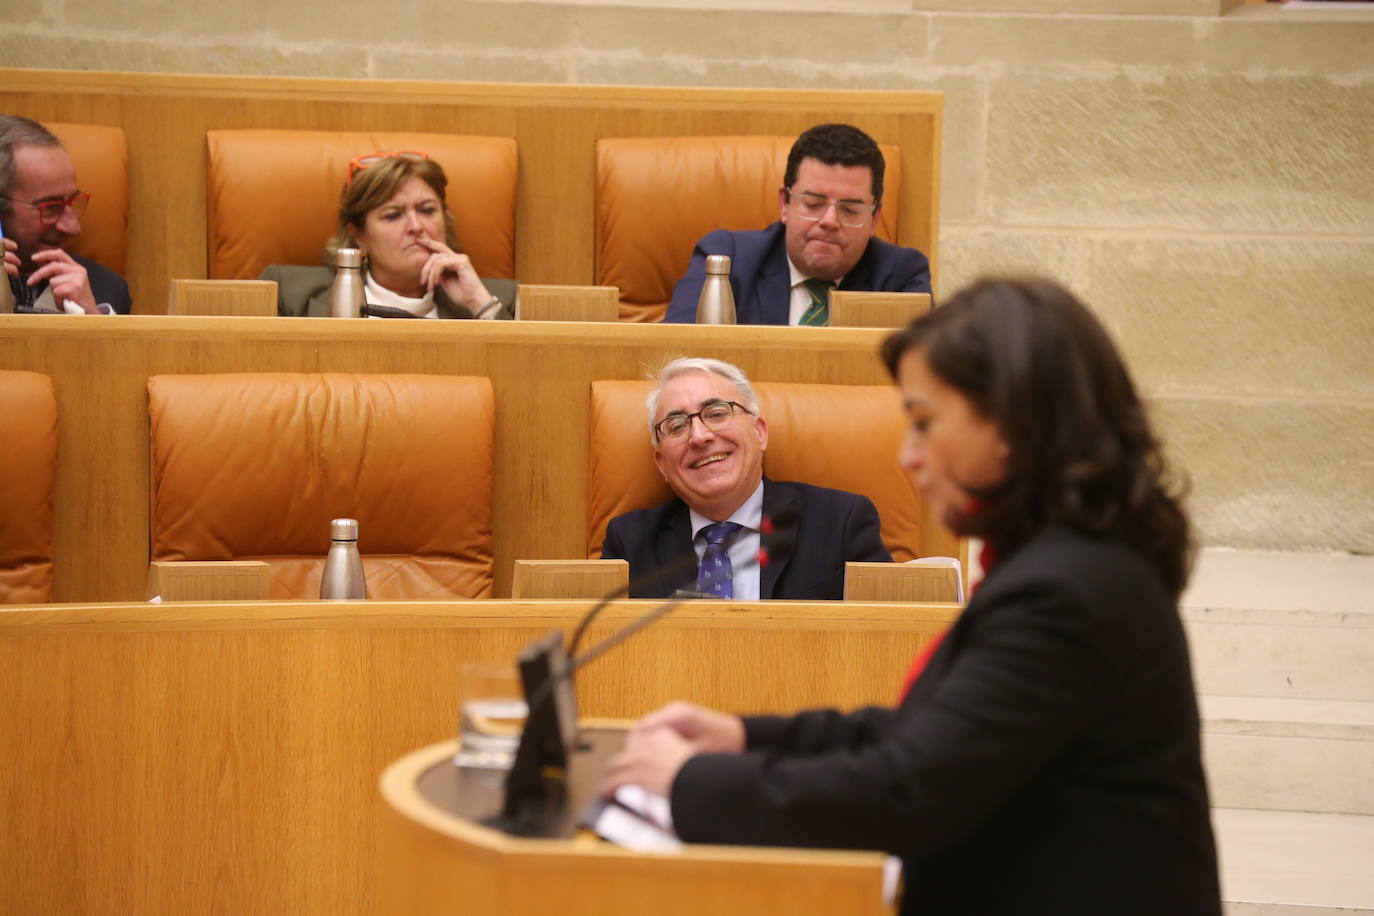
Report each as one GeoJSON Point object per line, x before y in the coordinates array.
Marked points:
{"type": "Point", "coordinates": [101, 157]}
{"type": "Point", "coordinates": [274, 194]}
{"type": "Point", "coordinates": [656, 196]}
{"type": "Point", "coordinates": [28, 468]}
{"type": "Point", "coordinates": [840, 436]}
{"type": "Point", "coordinates": [253, 466]}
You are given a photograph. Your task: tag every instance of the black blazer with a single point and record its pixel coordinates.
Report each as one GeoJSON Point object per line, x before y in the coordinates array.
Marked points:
{"type": "Point", "coordinates": [762, 284]}
{"type": "Point", "coordinates": [1046, 762]}
{"type": "Point", "coordinates": [833, 527]}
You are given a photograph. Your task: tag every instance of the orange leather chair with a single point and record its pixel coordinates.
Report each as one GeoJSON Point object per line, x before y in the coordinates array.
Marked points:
{"type": "Point", "coordinates": [28, 467]}
{"type": "Point", "coordinates": [656, 196]}
{"type": "Point", "coordinates": [274, 194]}
{"type": "Point", "coordinates": [101, 157]}
{"type": "Point", "coordinates": [841, 436]}
{"type": "Point", "coordinates": [253, 466]}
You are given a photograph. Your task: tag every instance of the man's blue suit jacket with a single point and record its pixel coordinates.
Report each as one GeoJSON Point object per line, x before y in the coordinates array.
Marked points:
{"type": "Point", "coordinates": [833, 527]}
{"type": "Point", "coordinates": [762, 283]}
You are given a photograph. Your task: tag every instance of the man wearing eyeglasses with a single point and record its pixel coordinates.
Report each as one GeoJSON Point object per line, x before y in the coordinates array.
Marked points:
{"type": "Point", "coordinates": [709, 441]}
{"type": "Point", "coordinates": [831, 198]}
{"type": "Point", "coordinates": [40, 211]}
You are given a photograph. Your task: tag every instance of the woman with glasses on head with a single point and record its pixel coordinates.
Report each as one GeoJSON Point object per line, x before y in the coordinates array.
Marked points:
{"type": "Point", "coordinates": [1044, 756]}
{"type": "Point", "coordinates": [394, 211]}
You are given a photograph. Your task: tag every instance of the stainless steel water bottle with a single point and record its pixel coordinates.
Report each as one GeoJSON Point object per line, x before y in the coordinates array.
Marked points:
{"type": "Point", "coordinates": [346, 296]}
{"type": "Point", "coordinates": [717, 302]}
{"type": "Point", "coordinates": [343, 568]}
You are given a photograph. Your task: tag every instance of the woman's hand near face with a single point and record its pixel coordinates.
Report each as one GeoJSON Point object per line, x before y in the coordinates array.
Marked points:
{"type": "Point", "coordinates": [454, 272]}
{"type": "Point", "coordinates": [708, 731]}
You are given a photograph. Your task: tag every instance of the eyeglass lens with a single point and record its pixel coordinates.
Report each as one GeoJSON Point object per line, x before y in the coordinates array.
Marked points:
{"type": "Point", "coordinates": [50, 211]}
{"type": "Point", "coordinates": [849, 213]}
{"type": "Point", "coordinates": [715, 415]}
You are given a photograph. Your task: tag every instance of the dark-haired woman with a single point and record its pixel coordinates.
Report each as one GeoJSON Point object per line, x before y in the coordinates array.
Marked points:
{"type": "Point", "coordinates": [394, 210]}
{"type": "Point", "coordinates": [1046, 757]}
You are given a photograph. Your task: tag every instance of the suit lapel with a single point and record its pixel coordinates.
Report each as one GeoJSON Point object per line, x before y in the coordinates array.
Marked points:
{"type": "Point", "coordinates": [775, 497]}
{"type": "Point", "coordinates": [674, 546]}
{"type": "Point", "coordinates": [775, 288]}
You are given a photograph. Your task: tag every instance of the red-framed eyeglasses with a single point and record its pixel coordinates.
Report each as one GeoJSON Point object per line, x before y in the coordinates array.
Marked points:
{"type": "Point", "coordinates": [361, 163]}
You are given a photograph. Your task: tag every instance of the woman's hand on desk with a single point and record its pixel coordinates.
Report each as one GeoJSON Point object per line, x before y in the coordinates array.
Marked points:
{"type": "Point", "coordinates": [650, 759]}
{"type": "Point", "coordinates": [709, 731]}
{"type": "Point", "coordinates": [660, 743]}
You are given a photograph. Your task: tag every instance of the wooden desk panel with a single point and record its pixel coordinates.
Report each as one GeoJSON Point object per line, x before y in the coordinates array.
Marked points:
{"type": "Point", "coordinates": [541, 374]}
{"type": "Point", "coordinates": [224, 757]}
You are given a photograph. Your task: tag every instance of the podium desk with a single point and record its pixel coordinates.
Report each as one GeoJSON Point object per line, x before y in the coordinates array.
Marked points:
{"type": "Point", "coordinates": [223, 757]}
{"type": "Point", "coordinates": [433, 861]}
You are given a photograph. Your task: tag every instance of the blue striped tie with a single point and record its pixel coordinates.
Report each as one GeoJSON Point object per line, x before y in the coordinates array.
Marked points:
{"type": "Point", "coordinates": [714, 576]}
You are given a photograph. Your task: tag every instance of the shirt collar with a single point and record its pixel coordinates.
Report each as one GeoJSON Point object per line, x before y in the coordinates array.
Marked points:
{"type": "Point", "coordinates": [749, 514]}
{"type": "Point", "coordinates": [377, 294]}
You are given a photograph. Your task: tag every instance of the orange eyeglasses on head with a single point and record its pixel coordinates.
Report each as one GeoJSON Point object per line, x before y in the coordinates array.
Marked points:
{"type": "Point", "coordinates": [362, 163]}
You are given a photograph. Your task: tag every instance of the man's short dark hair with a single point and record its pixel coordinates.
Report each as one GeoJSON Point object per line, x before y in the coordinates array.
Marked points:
{"type": "Point", "coordinates": [837, 144]}
{"type": "Point", "coordinates": [16, 131]}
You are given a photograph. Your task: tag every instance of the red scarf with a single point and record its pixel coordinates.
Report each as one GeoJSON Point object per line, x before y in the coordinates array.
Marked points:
{"type": "Point", "coordinates": [987, 559]}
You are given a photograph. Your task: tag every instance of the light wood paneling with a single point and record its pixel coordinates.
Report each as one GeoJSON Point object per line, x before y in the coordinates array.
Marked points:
{"type": "Point", "coordinates": [165, 118]}
{"type": "Point", "coordinates": [434, 863]}
{"type": "Point", "coordinates": [541, 374]}
{"type": "Point", "coordinates": [546, 302]}
{"type": "Point", "coordinates": [251, 298]}
{"type": "Point", "coordinates": [223, 758]}
{"type": "Point", "coordinates": [853, 309]}
{"type": "Point", "coordinates": [577, 579]}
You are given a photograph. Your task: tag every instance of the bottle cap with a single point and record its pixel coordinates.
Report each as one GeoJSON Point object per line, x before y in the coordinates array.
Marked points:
{"type": "Point", "coordinates": [348, 257]}
{"type": "Point", "coordinates": [343, 529]}
{"type": "Point", "coordinates": [718, 264]}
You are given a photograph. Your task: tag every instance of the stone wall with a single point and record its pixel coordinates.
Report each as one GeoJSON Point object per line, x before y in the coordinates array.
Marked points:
{"type": "Point", "coordinates": [1204, 178]}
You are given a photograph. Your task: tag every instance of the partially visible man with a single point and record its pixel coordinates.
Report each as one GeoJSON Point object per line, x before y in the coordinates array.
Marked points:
{"type": "Point", "coordinates": [709, 441]}
{"type": "Point", "coordinates": [830, 199]}
{"type": "Point", "coordinates": [40, 211]}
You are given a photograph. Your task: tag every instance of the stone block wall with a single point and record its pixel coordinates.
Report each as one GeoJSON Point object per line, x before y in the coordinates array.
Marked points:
{"type": "Point", "coordinates": [1202, 173]}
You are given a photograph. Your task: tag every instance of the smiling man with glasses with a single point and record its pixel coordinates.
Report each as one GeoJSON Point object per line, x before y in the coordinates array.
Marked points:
{"type": "Point", "coordinates": [40, 211]}
{"type": "Point", "coordinates": [709, 439]}
{"type": "Point", "coordinates": [830, 201]}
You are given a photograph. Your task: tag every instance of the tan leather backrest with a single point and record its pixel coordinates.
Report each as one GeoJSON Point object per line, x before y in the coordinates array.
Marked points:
{"type": "Point", "coordinates": [656, 196]}
{"type": "Point", "coordinates": [840, 436]}
{"type": "Point", "coordinates": [101, 157]}
{"type": "Point", "coordinates": [253, 466]}
{"type": "Point", "coordinates": [28, 467]}
{"type": "Point", "coordinates": [274, 194]}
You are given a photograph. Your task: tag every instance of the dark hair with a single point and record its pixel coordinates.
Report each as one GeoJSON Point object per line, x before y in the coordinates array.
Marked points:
{"type": "Point", "coordinates": [837, 144]}
{"type": "Point", "coordinates": [1035, 361]}
{"type": "Point", "coordinates": [377, 184]}
{"type": "Point", "coordinates": [16, 131]}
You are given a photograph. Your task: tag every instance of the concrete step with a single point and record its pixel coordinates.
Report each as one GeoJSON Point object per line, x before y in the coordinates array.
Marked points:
{"type": "Point", "coordinates": [1283, 863]}
{"type": "Point", "coordinates": [1289, 754]}
{"type": "Point", "coordinates": [1273, 624]}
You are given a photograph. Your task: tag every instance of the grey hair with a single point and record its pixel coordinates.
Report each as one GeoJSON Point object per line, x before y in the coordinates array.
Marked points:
{"type": "Point", "coordinates": [16, 131]}
{"type": "Point", "coordinates": [732, 374]}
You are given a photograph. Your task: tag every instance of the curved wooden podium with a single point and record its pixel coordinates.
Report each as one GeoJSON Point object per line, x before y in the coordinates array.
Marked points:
{"type": "Point", "coordinates": [432, 861]}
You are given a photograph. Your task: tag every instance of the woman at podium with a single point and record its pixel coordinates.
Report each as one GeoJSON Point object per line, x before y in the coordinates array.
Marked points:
{"type": "Point", "coordinates": [1044, 755]}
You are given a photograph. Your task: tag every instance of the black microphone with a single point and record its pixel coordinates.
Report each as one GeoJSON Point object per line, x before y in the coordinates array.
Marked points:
{"type": "Point", "coordinates": [536, 784]}
{"type": "Point", "coordinates": [385, 311]}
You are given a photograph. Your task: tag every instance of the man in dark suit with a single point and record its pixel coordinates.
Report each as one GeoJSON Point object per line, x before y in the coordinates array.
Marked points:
{"type": "Point", "coordinates": [831, 196]}
{"type": "Point", "coordinates": [709, 442]}
{"type": "Point", "coordinates": [40, 210]}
